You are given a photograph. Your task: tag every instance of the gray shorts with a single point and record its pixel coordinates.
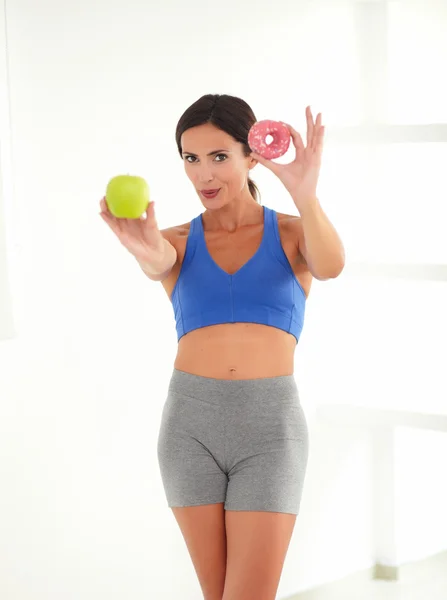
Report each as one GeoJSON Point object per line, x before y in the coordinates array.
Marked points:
{"type": "Point", "coordinates": [241, 442]}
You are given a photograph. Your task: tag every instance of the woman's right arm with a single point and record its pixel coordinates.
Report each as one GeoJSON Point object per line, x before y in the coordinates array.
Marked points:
{"type": "Point", "coordinates": [161, 271]}
{"type": "Point", "coordinates": [142, 238]}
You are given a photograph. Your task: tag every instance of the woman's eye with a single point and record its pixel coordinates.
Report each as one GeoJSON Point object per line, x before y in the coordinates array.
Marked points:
{"type": "Point", "coordinates": [219, 158]}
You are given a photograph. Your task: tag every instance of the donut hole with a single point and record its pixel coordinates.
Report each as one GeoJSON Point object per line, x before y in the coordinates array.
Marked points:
{"type": "Point", "coordinates": [269, 139]}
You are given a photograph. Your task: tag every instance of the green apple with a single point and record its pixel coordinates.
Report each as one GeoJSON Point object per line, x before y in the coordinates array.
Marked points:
{"type": "Point", "coordinates": [127, 196]}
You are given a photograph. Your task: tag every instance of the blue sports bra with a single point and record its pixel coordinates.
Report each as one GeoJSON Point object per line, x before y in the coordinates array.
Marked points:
{"type": "Point", "coordinates": [264, 290]}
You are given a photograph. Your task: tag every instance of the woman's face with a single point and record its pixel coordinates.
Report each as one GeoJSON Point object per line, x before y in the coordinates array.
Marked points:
{"type": "Point", "coordinates": [215, 161]}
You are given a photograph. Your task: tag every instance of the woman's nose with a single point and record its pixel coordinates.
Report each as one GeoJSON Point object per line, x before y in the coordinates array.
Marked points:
{"type": "Point", "coordinates": [205, 175]}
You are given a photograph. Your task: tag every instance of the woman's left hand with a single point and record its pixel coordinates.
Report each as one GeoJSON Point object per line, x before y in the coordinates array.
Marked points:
{"type": "Point", "coordinates": [300, 177]}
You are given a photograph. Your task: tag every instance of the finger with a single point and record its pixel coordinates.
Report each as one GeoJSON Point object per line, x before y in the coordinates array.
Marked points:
{"type": "Point", "coordinates": [320, 141]}
{"type": "Point", "coordinates": [269, 164]}
{"type": "Point", "coordinates": [310, 127]}
{"type": "Point", "coordinates": [318, 135]}
{"type": "Point", "coordinates": [151, 219]}
{"type": "Point", "coordinates": [103, 205]}
{"type": "Point", "coordinates": [296, 138]}
{"type": "Point", "coordinates": [111, 222]}
{"type": "Point", "coordinates": [143, 217]}
{"type": "Point", "coordinates": [110, 219]}
{"type": "Point", "coordinates": [149, 210]}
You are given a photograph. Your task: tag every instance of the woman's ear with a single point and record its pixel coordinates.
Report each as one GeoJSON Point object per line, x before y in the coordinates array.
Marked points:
{"type": "Point", "coordinates": [253, 162]}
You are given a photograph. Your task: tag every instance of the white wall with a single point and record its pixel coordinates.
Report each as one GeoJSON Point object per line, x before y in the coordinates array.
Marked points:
{"type": "Point", "coordinates": [96, 90]}
{"type": "Point", "coordinates": [6, 316]}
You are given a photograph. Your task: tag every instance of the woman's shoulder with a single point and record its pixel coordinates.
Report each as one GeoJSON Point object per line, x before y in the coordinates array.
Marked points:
{"type": "Point", "coordinates": [177, 235]}
{"type": "Point", "coordinates": [176, 231]}
{"type": "Point", "coordinates": [289, 225]}
{"type": "Point", "coordinates": [285, 218]}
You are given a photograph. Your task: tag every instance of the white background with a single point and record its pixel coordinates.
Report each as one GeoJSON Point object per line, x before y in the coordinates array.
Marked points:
{"type": "Point", "coordinates": [94, 88]}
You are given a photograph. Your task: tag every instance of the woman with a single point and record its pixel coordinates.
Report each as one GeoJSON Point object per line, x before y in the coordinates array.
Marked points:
{"type": "Point", "coordinates": [233, 442]}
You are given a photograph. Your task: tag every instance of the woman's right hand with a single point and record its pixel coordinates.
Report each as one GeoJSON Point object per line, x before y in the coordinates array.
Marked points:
{"type": "Point", "coordinates": [141, 237]}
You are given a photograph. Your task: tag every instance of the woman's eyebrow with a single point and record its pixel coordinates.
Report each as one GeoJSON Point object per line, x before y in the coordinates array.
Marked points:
{"type": "Point", "coordinates": [209, 153]}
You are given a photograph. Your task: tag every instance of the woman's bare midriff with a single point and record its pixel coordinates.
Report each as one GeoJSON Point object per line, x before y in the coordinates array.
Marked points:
{"type": "Point", "coordinates": [236, 350]}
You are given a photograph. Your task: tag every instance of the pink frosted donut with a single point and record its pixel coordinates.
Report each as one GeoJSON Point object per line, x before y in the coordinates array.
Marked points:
{"type": "Point", "coordinates": [280, 134]}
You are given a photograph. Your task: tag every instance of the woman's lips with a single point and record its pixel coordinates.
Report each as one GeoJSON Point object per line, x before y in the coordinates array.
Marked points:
{"type": "Point", "coordinates": [210, 193]}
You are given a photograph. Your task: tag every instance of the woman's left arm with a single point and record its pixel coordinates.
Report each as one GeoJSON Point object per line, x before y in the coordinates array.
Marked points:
{"type": "Point", "coordinates": [319, 243]}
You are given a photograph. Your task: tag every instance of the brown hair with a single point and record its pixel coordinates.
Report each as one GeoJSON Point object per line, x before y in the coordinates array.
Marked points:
{"type": "Point", "coordinates": [230, 114]}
